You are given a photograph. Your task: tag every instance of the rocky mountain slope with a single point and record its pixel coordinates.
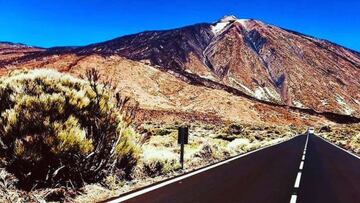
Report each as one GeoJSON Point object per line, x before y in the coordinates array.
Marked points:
{"type": "Point", "coordinates": [10, 51]}
{"type": "Point", "coordinates": [239, 59]}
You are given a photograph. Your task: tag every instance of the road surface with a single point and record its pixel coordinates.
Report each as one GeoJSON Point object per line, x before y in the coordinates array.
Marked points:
{"type": "Point", "coordinates": [303, 169]}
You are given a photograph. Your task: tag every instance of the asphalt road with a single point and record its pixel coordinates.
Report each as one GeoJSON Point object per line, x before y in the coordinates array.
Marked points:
{"type": "Point", "coordinates": [330, 175]}
{"type": "Point", "coordinates": [274, 174]}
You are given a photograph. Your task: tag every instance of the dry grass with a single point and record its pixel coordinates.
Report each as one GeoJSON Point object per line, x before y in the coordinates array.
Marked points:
{"type": "Point", "coordinates": [207, 144]}
{"type": "Point", "coordinates": [160, 153]}
{"type": "Point", "coordinates": [345, 136]}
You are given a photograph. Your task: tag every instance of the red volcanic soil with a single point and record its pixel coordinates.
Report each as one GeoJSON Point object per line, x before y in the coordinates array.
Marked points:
{"type": "Point", "coordinates": [234, 69]}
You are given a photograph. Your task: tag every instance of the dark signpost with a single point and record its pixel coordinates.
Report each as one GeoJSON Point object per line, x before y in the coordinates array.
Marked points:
{"type": "Point", "coordinates": [183, 137]}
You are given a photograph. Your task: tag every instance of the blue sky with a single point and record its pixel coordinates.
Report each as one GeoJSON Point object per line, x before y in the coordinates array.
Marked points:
{"type": "Point", "coordinates": [49, 23]}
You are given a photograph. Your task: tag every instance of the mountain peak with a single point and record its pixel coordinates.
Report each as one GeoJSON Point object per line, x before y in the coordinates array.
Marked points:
{"type": "Point", "coordinates": [219, 26]}
{"type": "Point", "coordinates": [245, 57]}
{"type": "Point", "coordinates": [227, 19]}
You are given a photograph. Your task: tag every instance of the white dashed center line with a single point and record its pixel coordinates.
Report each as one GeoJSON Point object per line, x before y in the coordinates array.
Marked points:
{"type": "Point", "coordinates": [293, 199]}
{"type": "Point", "coordinates": [301, 165]}
{"type": "Point", "coordinates": [297, 181]}
{"type": "Point", "coordinates": [298, 177]}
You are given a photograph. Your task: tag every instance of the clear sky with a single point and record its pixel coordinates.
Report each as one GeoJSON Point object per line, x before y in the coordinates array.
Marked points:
{"type": "Point", "coordinates": [49, 23]}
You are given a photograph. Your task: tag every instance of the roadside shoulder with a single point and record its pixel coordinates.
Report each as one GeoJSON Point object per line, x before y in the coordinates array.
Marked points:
{"type": "Point", "coordinates": [347, 151]}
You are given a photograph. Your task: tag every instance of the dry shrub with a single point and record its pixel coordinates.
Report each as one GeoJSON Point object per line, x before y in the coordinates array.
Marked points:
{"type": "Point", "coordinates": [238, 145]}
{"type": "Point", "coordinates": [355, 143]}
{"type": "Point", "coordinates": [206, 152]}
{"type": "Point", "coordinates": [56, 129]}
{"type": "Point", "coordinates": [346, 136]}
{"type": "Point", "coordinates": [157, 161]}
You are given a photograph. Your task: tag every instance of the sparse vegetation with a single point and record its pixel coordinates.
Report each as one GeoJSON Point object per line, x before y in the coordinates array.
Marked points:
{"type": "Point", "coordinates": [158, 162]}
{"type": "Point", "coordinates": [207, 144]}
{"type": "Point", "coordinates": [59, 130]}
{"type": "Point", "coordinates": [346, 136]}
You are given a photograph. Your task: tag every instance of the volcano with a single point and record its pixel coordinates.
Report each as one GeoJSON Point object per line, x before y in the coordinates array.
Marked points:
{"type": "Point", "coordinates": [237, 69]}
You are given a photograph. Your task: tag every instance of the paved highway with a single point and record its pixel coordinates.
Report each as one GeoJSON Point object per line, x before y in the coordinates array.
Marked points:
{"type": "Point", "coordinates": [330, 174]}
{"type": "Point", "coordinates": [304, 169]}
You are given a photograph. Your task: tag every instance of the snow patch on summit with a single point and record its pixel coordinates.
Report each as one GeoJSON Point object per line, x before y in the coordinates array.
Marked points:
{"type": "Point", "coordinates": [242, 22]}
{"type": "Point", "coordinates": [222, 23]}
{"type": "Point", "coordinates": [218, 27]}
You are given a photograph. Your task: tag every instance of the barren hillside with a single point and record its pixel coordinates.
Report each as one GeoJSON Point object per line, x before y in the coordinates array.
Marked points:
{"type": "Point", "coordinates": [233, 69]}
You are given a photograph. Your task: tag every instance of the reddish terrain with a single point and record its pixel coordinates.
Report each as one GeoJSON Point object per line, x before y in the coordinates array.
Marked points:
{"type": "Point", "coordinates": [234, 69]}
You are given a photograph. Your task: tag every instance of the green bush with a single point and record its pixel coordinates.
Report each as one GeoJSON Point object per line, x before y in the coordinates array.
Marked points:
{"type": "Point", "coordinates": [58, 129]}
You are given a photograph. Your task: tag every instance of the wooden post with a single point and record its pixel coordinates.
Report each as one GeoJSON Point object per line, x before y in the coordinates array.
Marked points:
{"type": "Point", "coordinates": [182, 155]}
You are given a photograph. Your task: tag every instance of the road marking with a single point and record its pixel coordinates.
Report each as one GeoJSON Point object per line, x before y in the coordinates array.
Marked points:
{"type": "Point", "coordinates": [293, 198]}
{"type": "Point", "coordinates": [298, 177]}
{"type": "Point", "coordinates": [301, 165]}
{"type": "Point", "coordinates": [356, 156]}
{"type": "Point", "coordinates": [154, 187]}
{"type": "Point", "coordinates": [297, 181]}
